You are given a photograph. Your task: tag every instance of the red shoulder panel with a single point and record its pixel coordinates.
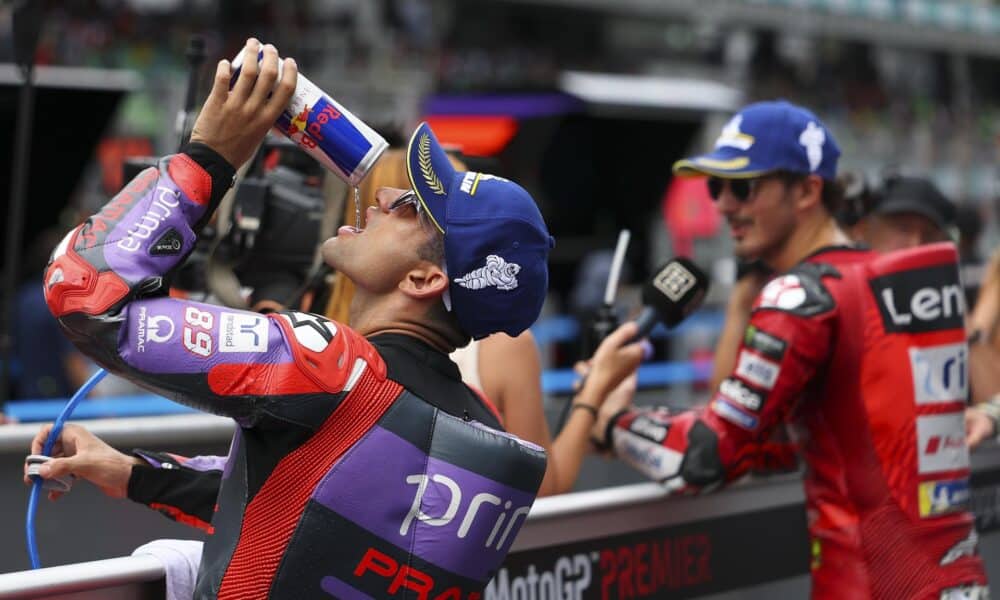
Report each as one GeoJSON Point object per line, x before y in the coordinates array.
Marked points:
{"type": "Point", "coordinates": [326, 351]}
{"type": "Point", "coordinates": [74, 285]}
{"type": "Point", "coordinates": [929, 255]}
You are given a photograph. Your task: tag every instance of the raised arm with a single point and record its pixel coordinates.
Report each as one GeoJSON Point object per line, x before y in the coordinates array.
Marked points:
{"type": "Point", "coordinates": [108, 278]}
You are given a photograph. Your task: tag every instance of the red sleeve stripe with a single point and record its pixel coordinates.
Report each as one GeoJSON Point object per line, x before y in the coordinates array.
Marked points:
{"type": "Point", "coordinates": [182, 517]}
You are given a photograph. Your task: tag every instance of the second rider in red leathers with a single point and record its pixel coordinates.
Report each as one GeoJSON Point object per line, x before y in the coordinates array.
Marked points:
{"type": "Point", "coordinates": [864, 354]}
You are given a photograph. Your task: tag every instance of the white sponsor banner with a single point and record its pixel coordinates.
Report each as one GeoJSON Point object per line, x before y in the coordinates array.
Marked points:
{"type": "Point", "coordinates": [652, 459]}
{"type": "Point", "coordinates": [739, 393]}
{"type": "Point", "coordinates": [727, 411]}
{"type": "Point", "coordinates": [242, 332]}
{"type": "Point", "coordinates": [941, 443]}
{"type": "Point", "coordinates": [940, 373]}
{"type": "Point", "coordinates": [757, 369]}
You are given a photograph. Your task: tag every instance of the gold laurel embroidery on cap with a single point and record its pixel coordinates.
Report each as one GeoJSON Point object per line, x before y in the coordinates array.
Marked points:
{"type": "Point", "coordinates": [426, 169]}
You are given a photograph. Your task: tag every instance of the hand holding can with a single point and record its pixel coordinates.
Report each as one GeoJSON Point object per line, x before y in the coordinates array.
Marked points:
{"type": "Point", "coordinates": [326, 130]}
{"type": "Point", "coordinates": [239, 110]}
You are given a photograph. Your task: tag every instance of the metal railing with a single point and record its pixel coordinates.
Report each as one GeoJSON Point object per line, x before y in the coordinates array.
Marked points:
{"type": "Point", "coordinates": [555, 523]}
{"type": "Point", "coordinates": [137, 577]}
{"type": "Point", "coordinates": [123, 432]}
{"type": "Point", "coordinates": [594, 544]}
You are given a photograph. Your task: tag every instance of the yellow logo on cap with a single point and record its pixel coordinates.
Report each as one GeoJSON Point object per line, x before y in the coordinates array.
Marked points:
{"type": "Point", "coordinates": [733, 163]}
{"type": "Point", "coordinates": [426, 168]}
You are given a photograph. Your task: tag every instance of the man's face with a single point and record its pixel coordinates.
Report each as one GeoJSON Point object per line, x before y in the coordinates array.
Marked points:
{"type": "Point", "coordinates": [897, 231]}
{"type": "Point", "coordinates": [761, 221]}
{"type": "Point", "coordinates": [377, 258]}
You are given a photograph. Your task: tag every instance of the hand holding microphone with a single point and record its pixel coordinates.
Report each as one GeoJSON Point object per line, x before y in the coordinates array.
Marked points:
{"type": "Point", "coordinates": [675, 291]}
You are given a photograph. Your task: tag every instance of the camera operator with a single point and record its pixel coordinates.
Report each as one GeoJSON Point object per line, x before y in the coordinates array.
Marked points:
{"type": "Point", "coordinates": [317, 403]}
{"type": "Point", "coordinates": [841, 342]}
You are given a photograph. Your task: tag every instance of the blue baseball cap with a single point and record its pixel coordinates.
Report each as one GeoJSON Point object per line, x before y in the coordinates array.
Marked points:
{"type": "Point", "coordinates": [496, 244]}
{"type": "Point", "coordinates": [766, 137]}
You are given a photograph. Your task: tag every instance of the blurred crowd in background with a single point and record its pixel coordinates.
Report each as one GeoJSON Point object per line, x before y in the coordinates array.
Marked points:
{"type": "Point", "coordinates": [907, 86]}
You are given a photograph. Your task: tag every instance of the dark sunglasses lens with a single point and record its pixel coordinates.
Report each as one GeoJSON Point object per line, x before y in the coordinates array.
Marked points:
{"type": "Point", "coordinates": [740, 189]}
{"type": "Point", "coordinates": [406, 198]}
{"type": "Point", "coordinates": [715, 187]}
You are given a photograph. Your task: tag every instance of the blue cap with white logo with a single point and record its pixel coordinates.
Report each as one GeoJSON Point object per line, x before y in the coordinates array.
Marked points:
{"type": "Point", "coordinates": [496, 244]}
{"type": "Point", "coordinates": [766, 137]}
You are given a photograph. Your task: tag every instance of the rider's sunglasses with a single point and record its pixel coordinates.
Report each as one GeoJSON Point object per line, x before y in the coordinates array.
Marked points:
{"type": "Point", "coordinates": [410, 198]}
{"type": "Point", "coordinates": [405, 198]}
{"type": "Point", "coordinates": [741, 189]}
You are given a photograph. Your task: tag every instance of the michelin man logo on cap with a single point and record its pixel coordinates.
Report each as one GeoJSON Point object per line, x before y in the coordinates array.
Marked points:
{"type": "Point", "coordinates": [813, 137]}
{"type": "Point", "coordinates": [497, 273]}
{"type": "Point", "coordinates": [496, 243]}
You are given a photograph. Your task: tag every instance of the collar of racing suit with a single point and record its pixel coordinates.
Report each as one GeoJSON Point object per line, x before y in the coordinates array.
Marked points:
{"type": "Point", "coordinates": [431, 375]}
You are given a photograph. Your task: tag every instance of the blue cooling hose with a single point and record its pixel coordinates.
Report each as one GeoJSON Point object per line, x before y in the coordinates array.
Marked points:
{"type": "Point", "coordinates": [54, 434]}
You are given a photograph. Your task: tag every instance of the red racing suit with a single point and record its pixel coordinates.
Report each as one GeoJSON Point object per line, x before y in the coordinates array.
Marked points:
{"type": "Point", "coordinates": [866, 356]}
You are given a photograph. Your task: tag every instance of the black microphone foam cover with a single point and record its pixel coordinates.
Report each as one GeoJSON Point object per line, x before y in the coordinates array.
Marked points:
{"type": "Point", "coordinates": [676, 290]}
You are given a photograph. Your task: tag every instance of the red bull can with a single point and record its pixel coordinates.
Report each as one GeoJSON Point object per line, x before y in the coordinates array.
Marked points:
{"type": "Point", "coordinates": [321, 126]}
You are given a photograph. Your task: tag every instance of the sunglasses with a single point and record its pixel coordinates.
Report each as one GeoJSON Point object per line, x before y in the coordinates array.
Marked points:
{"type": "Point", "coordinates": [405, 199]}
{"type": "Point", "coordinates": [410, 199]}
{"type": "Point", "coordinates": [741, 189]}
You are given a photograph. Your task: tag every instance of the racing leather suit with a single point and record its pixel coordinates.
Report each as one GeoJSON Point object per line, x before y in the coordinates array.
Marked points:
{"type": "Point", "coordinates": [180, 488]}
{"type": "Point", "coordinates": [866, 355]}
{"type": "Point", "coordinates": [351, 473]}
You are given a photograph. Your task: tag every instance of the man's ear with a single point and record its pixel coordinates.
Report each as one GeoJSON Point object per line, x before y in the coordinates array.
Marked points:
{"type": "Point", "coordinates": [426, 281]}
{"type": "Point", "coordinates": [810, 192]}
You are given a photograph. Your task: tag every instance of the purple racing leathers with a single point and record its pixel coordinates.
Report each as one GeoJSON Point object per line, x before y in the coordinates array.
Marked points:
{"type": "Point", "coordinates": [359, 468]}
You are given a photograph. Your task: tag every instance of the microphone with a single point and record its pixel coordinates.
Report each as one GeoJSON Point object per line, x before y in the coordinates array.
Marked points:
{"type": "Point", "coordinates": [676, 290]}
{"type": "Point", "coordinates": [605, 320]}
